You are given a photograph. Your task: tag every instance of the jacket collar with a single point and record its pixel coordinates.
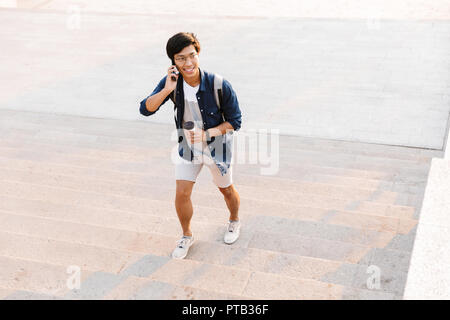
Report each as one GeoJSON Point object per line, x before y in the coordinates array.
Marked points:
{"type": "Point", "coordinates": [202, 80]}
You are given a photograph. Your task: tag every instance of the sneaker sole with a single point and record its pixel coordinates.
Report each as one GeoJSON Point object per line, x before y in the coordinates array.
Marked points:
{"type": "Point", "coordinates": [232, 241]}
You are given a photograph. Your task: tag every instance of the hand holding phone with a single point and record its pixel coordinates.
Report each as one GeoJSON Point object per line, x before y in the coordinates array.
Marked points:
{"type": "Point", "coordinates": [175, 72]}
{"type": "Point", "coordinates": [172, 77]}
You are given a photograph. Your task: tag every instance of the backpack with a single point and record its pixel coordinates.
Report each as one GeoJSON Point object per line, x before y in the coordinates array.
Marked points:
{"type": "Point", "coordinates": [218, 81]}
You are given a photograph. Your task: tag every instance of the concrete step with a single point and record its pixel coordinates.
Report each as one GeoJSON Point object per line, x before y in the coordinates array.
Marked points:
{"type": "Point", "coordinates": [65, 253]}
{"type": "Point", "coordinates": [211, 228]}
{"type": "Point", "coordinates": [134, 197]}
{"type": "Point", "coordinates": [34, 280]}
{"type": "Point", "coordinates": [55, 131]}
{"type": "Point", "coordinates": [108, 281]}
{"type": "Point", "coordinates": [143, 284]}
{"type": "Point", "coordinates": [154, 160]}
{"type": "Point", "coordinates": [139, 221]}
{"type": "Point", "coordinates": [5, 293]}
{"type": "Point", "coordinates": [240, 261]}
{"type": "Point", "coordinates": [137, 288]}
{"type": "Point", "coordinates": [11, 294]}
{"type": "Point", "coordinates": [286, 155]}
{"type": "Point", "coordinates": [48, 176]}
{"type": "Point", "coordinates": [242, 179]}
{"type": "Point", "coordinates": [259, 285]}
{"type": "Point", "coordinates": [287, 170]}
{"type": "Point", "coordinates": [33, 122]}
{"type": "Point", "coordinates": [394, 262]}
{"type": "Point", "coordinates": [160, 153]}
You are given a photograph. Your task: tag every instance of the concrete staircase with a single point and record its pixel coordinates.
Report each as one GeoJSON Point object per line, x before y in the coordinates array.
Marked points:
{"type": "Point", "coordinates": [99, 194]}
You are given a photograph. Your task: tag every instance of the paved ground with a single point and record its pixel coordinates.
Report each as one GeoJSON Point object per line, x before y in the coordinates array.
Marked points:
{"type": "Point", "coordinates": [338, 70]}
{"type": "Point", "coordinates": [342, 9]}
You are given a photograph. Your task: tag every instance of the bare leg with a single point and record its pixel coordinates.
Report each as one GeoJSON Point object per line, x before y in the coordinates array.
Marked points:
{"type": "Point", "coordinates": [232, 200]}
{"type": "Point", "coordinates": [183, 205]}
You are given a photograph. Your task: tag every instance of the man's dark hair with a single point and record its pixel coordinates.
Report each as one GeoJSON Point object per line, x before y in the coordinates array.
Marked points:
{"type": "Point", "coordinates": [180, 41]}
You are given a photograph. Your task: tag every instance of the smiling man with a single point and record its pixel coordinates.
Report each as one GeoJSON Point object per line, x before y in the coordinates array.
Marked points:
{"type": "Point", "coordinates": [194, 93]}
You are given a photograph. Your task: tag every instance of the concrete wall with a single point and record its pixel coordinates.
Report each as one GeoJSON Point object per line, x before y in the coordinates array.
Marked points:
{"type": "Point", "coordinates": [429, 272]}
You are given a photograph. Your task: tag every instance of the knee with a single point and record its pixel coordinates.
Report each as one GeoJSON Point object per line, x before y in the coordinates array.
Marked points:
{"type": "Point", "coordinates": [183, 194]}
{"type": "Point", "coordinates": [228, 191]}
{"type": "Point", "coordinates": [184, 190]}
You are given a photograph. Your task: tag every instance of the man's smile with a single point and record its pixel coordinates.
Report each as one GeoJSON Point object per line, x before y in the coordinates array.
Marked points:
{"type": "Point", "coordinates": [189, 70]}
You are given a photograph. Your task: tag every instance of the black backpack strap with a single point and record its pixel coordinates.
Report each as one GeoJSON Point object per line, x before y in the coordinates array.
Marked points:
{"type": "Point", "coordinates": [218, 82]}
{"type": "Point", "coordinates": [219, 92]}
{"type": "Point", "coordinates": [172, 96]}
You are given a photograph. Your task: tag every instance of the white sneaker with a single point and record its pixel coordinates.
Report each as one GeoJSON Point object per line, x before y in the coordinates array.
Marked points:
{"type": "Point", "coordinates": [182, 247]}
{"type": "Point", "coordinates": [232, 233]}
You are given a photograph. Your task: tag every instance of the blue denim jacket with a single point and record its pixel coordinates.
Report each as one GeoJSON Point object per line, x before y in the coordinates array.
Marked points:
{"type": "Point", "coordinates": [220, 146]}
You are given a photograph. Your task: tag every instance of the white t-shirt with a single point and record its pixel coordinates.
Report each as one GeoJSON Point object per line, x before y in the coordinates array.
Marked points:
{"type": "Point", "coordinates": [192, 113]}
{"type": "Point", "coordinates": [191, 108]}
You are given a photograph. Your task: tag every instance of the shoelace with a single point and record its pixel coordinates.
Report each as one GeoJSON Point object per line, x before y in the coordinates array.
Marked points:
{"type": "Point", "coordinates": [182, 242]}
{"type": "Point", "coordinates": [232, 226]}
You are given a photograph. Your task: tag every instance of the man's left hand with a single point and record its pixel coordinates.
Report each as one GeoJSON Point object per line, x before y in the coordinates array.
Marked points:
{"type": "Point", "coordinates": [198, 135]}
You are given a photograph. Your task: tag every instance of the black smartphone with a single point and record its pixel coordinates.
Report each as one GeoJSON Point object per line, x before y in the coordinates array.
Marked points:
{"type": "Point", "coordinates": [173, 77]}
{"type": "Point", "coordinates": [176, 71]}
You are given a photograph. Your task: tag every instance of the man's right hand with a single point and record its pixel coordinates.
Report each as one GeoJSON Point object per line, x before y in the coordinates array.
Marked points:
{"type": "Point", "coordinates": [170, 84]}
{"type": "Point", "coordinates": [153, 102]}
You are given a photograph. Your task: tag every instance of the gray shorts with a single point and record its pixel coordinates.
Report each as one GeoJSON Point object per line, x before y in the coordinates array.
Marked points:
{"type": "Point", "coordinates": [187, 170]}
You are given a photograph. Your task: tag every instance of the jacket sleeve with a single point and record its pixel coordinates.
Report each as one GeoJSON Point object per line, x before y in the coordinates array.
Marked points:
{"type": "Point", "coordinates": [143, 109]}
{"type": "Point", "coordinates": [230, 106]}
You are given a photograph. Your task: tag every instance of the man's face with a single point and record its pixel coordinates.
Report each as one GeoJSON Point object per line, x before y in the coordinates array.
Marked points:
{"type": "Point", "coordinates": [187, 62]}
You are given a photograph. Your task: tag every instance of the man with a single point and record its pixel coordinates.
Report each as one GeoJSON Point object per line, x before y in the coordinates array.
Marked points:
{"type": "Point", "coordinates": [210, 143]}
